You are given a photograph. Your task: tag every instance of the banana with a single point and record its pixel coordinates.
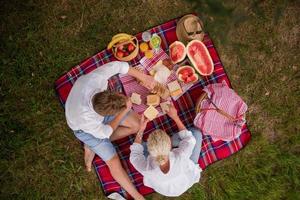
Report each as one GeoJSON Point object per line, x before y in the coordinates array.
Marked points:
{"type": "Point", "coordinates": [118, 39]}
{"type": "Point", "coordinates": [121, 34]}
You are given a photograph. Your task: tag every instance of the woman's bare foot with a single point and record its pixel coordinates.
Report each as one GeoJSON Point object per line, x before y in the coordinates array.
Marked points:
{"type": "Point", "coordinates": [88, 158]}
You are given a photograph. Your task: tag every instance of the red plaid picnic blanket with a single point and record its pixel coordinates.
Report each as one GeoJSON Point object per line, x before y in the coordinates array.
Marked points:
{"type": "Point", "coordinates": [211, 151]}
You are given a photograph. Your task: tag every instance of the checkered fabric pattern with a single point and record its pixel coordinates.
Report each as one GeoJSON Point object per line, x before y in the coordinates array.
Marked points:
{"type": "Point", "coordinates": [211, 151]}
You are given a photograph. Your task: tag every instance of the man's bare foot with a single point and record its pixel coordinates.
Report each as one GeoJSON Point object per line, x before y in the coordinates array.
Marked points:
{"type": "Point", "coordinates": [88, 158]}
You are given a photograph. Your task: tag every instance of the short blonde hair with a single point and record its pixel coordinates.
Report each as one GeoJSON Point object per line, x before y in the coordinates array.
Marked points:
{"type": "Point", "coordinates": [159, 145]}
{"type": "Point", "coordinates": [108, 103]}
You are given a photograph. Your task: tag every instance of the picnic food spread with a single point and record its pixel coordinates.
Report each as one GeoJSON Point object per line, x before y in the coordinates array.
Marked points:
{"type": "Point", "coordinates": [173, 79]}
{"type": "Point", "coordinates": [164, 71]}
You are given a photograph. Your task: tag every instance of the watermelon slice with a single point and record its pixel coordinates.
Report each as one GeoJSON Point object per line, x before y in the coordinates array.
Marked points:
{"type": "Point", "coordinates": [177, 52]}
{"type": "Point", "coordinates": [200, 58]}
{"type": "Point", "coordinates": [187, 74]}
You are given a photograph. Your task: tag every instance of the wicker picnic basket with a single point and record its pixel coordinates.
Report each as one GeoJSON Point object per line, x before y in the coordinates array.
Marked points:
{"type": "Point", "coordinates": [133, 54]}
{"type": "Point", "coordinates": [203, 97]}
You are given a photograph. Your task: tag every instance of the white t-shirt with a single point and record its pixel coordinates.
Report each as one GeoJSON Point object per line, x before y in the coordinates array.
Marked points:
{"type": "Point", "coordinates": [79, 109]}
{"type": "Point", "coordinates": [183, 172]}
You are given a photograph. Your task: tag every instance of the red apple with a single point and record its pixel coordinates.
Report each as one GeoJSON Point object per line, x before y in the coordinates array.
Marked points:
{"type": "Point", "coordinates": [126, 53]}
{"type": "Point", "coordinates": [120, 54]}
{"type": "Point", "coordinates": [130, 47]}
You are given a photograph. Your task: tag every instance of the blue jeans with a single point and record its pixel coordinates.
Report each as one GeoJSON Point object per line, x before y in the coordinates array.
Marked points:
{"type": "Point", "coordinates": [102, 147]}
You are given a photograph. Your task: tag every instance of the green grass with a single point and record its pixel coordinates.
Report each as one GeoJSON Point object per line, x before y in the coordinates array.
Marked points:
{"type": "Point", "coordinates": [258, 42]}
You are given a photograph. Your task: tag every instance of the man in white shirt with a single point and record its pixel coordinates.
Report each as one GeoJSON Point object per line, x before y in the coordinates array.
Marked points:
{"type": "Point", "coordinates": [168, 171]}
{"type": "Point", "coordinates": [98, 116]}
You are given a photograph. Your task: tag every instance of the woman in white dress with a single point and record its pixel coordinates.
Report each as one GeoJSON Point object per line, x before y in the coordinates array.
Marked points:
{"type": "Point", "coordinates": [169, 171]}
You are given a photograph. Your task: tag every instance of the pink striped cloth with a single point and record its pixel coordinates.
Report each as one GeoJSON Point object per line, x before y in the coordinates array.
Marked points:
{"type": "Point", "coordinates": [212, 123]}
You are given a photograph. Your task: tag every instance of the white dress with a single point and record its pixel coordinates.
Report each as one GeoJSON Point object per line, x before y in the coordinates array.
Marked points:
{"type": "Point", "coordinates": [183, 172]}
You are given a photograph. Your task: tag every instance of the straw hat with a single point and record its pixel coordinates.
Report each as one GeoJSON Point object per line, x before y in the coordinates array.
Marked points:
{"type": "Point", "coordinates": [189, 27]}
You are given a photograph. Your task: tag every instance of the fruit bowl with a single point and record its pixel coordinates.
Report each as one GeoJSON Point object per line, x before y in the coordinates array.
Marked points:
{"type": "Point", "coordinates": [127, 50]}
{"type": "Point", "coordinates": [186, 74]}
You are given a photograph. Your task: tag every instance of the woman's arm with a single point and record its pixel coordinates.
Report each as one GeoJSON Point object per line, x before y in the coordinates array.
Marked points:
{"type": "Point", "coordinates": [179, 124]}
{"type": "Point", "coordinates": [139, 135]}
{"type": "Point", "coordinates": [187, 143]}
{"type": "Point", "coordinates": [137, 157]}
{"type": "Point", "coordinates": [173, 114]}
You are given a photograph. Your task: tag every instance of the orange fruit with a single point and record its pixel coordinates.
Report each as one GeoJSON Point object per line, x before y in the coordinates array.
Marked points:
{"type": "Point", "coordinates": [149, 54]}
{"type": "Point", "coordinates": [144, 47]}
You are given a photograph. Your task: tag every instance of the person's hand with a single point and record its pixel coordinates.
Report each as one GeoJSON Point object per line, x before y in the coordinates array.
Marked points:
{"type": "Point", "coordinates": [148, 82]}
{"type": "Point", "coordinates": [143, 123]}
{"type": "Point", "coordinates": [172, 111]}
{"type": "Point", "coordinates": [128, 104]}
{"type": "Point", "coordinates": [139, 135]}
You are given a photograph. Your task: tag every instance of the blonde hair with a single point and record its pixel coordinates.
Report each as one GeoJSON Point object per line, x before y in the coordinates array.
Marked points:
{"type": "Point", "coordinates": [159, 145]}
{"type": "Point", "coordinates": [108, 103]}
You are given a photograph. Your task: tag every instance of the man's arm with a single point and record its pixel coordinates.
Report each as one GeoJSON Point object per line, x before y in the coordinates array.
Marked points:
{"type": "Point", "coordinates": [116, 121]}
{"type": "Point", "coordinates": [112, 68]}
{"type": "Point", "coordinates": [147, 81]}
